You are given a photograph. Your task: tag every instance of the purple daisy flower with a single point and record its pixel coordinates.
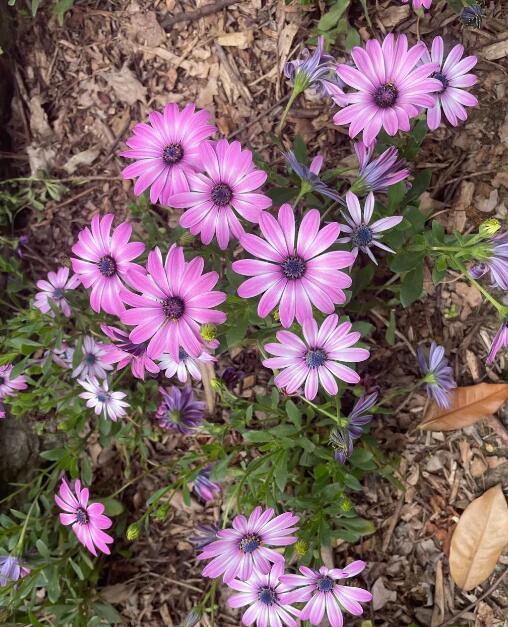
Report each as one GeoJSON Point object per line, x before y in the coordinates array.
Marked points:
{"type": "Point", "coordinates": [267, 596]}
{"type": "Point", "coordinates": [176, 297]}
{"type": "Point", "coordinates": [322, 592]}
{"type": "Point", "coordinates": [298, 276]}
{"type": "Point", "coordinates": [124, 352]}
{"type": "Point", "coordinates": [103, 400]}
{"type": "Point", "coordinates": [185, 364]}
{"type": "Point", "coordinates": [362, 234]}
{"type": "Point", "coordinates": [496, 263]}
{"type": "Point", "coordinates": [317, 360]}
{"type": "Point", "coordinates": [309, 176]}
{"type": "Point", "coordinates": [453, 76]}
{"type": "Point", "coordinates": [229, 184]}
{"type": "Point", "coordinates": [437, 374]}
{"type": "Point", "coordinates": [179, 410]}
{"type": "Point", "coordinates": [167, 151]}
{"type": "Point", "coordinates": [342, 438]}
{"type": "Point", "coordinates": [10, 386]}
{"type": "Point", "coordinates": [106, 261]}
{"type": "Point", "coordinates": [499, 342]}
{"type": "Point", "coordinates": [418, 4]}
{"type": "Point", "coordinates": [54, 289]}
{"type": "Point", "coordinates": [93, 363]}
{"type": "Point", "coordinates": [205, 534]}
{"type": "Point", "coordinates": [243, 550]}
{"type": "Point", "coordinates": [391, 90]}
{"type": "Point", "coordinates": [11, 569]}
{"type": "Point", "coordinates": [379, 174]}
{"type": "Point", "coordinates": [62, 356]}
{"type": "Point", "coordinates": [204, 487]}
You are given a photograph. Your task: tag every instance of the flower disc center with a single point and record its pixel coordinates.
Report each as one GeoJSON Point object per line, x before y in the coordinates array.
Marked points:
{"type": "Point", "coordinates": [58, 293]}
{"type": "Point", "coordinates": [293, 268]}
{"type": "Point", "coordinates": [82, 516]}
{"type": "Point", "coordinates": [315, 357]}
{"type": "Point", "coordinates": [386, 96]}
{"type": "Point", "coordinates": [173, 307]}
{"type": "Point", "coordinates": [90, 359]}
{"type": "Point", "coordinates": [362, 236]}
{"type": "Point", "coordinates": [442, 79]}
{"type": "Point", "coordinates": [173, 153]}
{"type": "Point", "coordinates": [107, 266]}
{"type": "Point", "coordinates": [324, 584]}
{"type": "Point", "coordinates": [248, 544]}
{"type": "Point", "coordinates": [221, 194]}
{"type": "Point", "coordinates": [268, 596]}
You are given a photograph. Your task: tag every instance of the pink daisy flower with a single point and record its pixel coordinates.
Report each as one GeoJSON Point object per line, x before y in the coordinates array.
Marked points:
{"type": "Point", "coordinates": [240, 551]}
{"type": "Point", "coordinates": [362, 234]}
{"type": "Point", "coordinates": [453, 76]}
{"type": "Point", "coordinates": [229, 184]}
{"type": "Point", "coordinates": [317, 359]}
{"type": "Point", "coordinates": [185, 364]}
{"type": "Point", "coordinates": [296, 276]}
{"type": "Point", "coordinates": [54, 289]}
{"type": "Point", "coordinates": [103, 400]}
{"type": "Point", "coordinates": [267, 597]}
{"type": "Point", "coordinates": [167, 151]}
{"type": "Point", "coordinates": [418, 4]}
{"type": "Point", "coordinates": [87, 519]}
{"type": "Point", "coordinates": [390, 88]}
{"type": "Point", "coordinates": [322, 593]}
{"type": "Point", "coordinates": [123, 352]}
{"type": "Point", "coordinates": [105, 261]}
{"type": "Point", "coordinates": [93, 363]}
{"type": "Point", "coordinates": [175, 299]}
{"type": "Point", "coordinates": [10, 386]}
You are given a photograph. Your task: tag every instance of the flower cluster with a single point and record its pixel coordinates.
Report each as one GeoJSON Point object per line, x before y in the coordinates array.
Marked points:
{"type": "Point", "coordinates": [9, 386]}
{"type": "Point", "coordinates": [244, 557]}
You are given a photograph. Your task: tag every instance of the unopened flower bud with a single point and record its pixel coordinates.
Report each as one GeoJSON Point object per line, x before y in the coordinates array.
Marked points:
{"type": "Point", "coordinates": [208, 332]}
{"type": "Point", "coordinates": [161, 512]}
{"type": "Point", "coordinates": [186, 239]}
{"type": "Point", "coordinates": [490, 227]}
{"type": "Point", "coordinates": [345, 504]}
{"type": "Point", "coordinates": [216, 384]}
{"type": "Point", "coordinates": [133, 532]}
{"type": "Point", "coordinates": [276, 315]}
{"type": "Point", "coordinates": [192, 618]}
{"type": "Point", "coordinates": [301, 548]}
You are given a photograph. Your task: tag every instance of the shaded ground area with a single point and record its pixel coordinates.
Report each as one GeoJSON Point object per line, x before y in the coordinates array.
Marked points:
{"type": "Point", "coordinates": [80, 88]}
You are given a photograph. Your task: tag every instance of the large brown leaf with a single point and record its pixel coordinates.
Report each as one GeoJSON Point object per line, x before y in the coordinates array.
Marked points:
{"type": "Point", "coordinates": [479, 539]}
{"type": "Point", "coordinates": [469, 404]}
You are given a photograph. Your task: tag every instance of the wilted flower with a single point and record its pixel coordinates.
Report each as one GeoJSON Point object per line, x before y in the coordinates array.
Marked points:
{"type": "Point", "coordinates": [363, 235]}
{"type": "Point", "coordinates": [452, 74]}
{"type": "Point", "coordinates": [124, 352]}
{"type": "Point", "coordinates": [379, 174]}
{"type": "Point", "coordinates": [179, 410]}
{"type": "Point", "coordinates": [342, 444]}
{"type": "Point", "coordinates": [62, 356]}
{"type": "Point", "coordinates": [192, 618]}
{"type": "Point", "coordinates": [10, 386]}
{"type": "Point", "coordinates": [472, 15]}
{"type": "Point", "coordinates": [495, 260]}
{"type": "Point", "coordinates": [166, 150]}
{"type": "Point", "coordinates": [87, 519]}
{"type": "Point", "coordinates": [204, 487]}
{"type": "Point", "coordinates": [317, 360]}
{"type": "Point", "coordinates": [105, 262]}
{"type": "Point", "coordinates": [232, 376]}
{"type": "Point", "coordinates": [391, 89]}
{"type": "Point", "coordinates": [499, 342]}
{"type": "Point", "coordinates": [489, 228]}
{"type": "Point", "coordinates": [267, 597]}
{"type": "Point", "coordinates": [98, 396]}
{"type": "Point", "coordinates": [322, 592]}
{"type": "Point", "coordinates": [309, 176]}
{"type": "Point", "coordinates": [11, 569]}
{"type": "Point", "coordinates": [438, 375]}
{"type": "Point", "coordinates": [54, 289]}
{"type": "Point", "coordinates": [183, 365]}
{"type": "Point", "coordinates": [93, 363]}
{"type": "Point", "coordinates": [205, 534]}
{"type": "Point", "coordinates": [242, 550]}
{"type": "Point", "coordinates": [342, 437]}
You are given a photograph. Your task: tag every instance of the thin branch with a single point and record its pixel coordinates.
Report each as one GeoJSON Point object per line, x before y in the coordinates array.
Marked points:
{"type": "Point", "coordinates": [189, 16]}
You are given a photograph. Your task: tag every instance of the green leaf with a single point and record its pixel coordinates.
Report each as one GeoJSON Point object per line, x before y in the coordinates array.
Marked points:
{"type": "Point", "coordinates": [405, 261]}
{"type": "Point", "coordinates": [411, 286]}
{"type": "Point", "coordinates": [332, 17]}
{"type": "Point", "coordinates": [281, 472]}
{"type": "Point", "coordinates": [390, 331]}
{"type": "Point", "coordinates": [43, 549]}
{"type": "Point", "coordinates": [300, 149]}
{"type": "Point", "coordinates": [293, 413]}
{"type": "Point", "coordinates": [113, 507]}
{"type": "Point", "coordinates": [352, 39]}
{"type": "Point", "coordinates": [257, 437]}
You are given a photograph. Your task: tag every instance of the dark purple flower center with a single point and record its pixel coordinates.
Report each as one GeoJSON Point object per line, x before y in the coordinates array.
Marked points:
{"type": "Point", "coordinates": [107, 265]}
{"type": "Point", "coordinates": [268, 596]}
{"type": "Point", "coordinates": [173, 153]}
{"type": "Point", "coordinates": [315, 357]}
{"type": "Point", "coordinates": [221, 194]}
{"type": "Point", "coordinates": [58, 293]}
{"type": "Point", "coordinates": [136, 350]}
{"type": "Point", "coordinates": [293, 268]}
{"type": "Point", "coordinates": [182, 354]}
{"type": "Point", "coordinates": [82, 516]}
{"type": "Point", "coordinates": [248, 544]}
{"type": "Point", "coordinates": [2, 380]}
{"type": "Point", "coordinates": [324, 584]}
{"type": "Point", "coordinates": [385, 96]}
{"type": "Point", "coordinates": [173, 307]}
{"type": "Point", "coordinates": [90, 359]}
{"type": "Point", "coordinates": [443, 80]}
{"type": "Point", "coordinates": [362, 236]}
{"type": "Point", "coordinates": [102, 397]}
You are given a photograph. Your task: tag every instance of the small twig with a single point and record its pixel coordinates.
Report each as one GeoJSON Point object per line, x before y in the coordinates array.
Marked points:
{"type": "Point", "coordinates": [475, 603]}
{"type": "Point", "coordinates": [393, 523]}
{"type": "Point", "coordinates": [259, 117]}
{"type": "Point", "coordinates": [189, 16]}
{"type": "Point", "coordinates": [70, 200]}
{"type": "Point", "coordinates": [400, 335]}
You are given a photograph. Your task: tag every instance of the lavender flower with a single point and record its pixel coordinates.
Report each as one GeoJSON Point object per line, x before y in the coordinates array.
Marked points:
{"type": "Point", "coordinates": [11, 569]}
{"type": "Point", "coordinates": [103, 400]}
{"type": "Point", "coordinates": [379, 174]}
{"type": "Point", "coordinates": [205, 534]}
{"type": "Point", "coordinates": [310, 176]}
{"type": "Point", "coordinates": [496, 251]}
{"type": "Point", "coordinates": [204, 488]}
{"type": "Point", "coordinates": [499, 342]}
{"type": "Point", "coordinates": [93, 364]}
{"type": "Point", "coordinates": [342, 438]}
{"type": "Point", "coordinates": [179, 410]}
{"type": "Point", "coordinates": [437, 375]}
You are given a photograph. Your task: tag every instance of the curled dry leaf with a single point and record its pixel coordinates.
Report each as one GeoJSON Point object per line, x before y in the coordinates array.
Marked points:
{"type": "Point", "coordinates": [469, 404]}
{"type": "Point", "coordinates": [479, 539]}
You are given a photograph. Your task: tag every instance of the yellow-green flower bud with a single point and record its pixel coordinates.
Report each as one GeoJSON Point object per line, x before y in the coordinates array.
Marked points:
{"type": "Point", "coordinates": [133, 532]}
{"type": "Point", "coordinates": [301, 548]}
{"type": "Point", "coordinates": [276, 315]}
{"type": "Point", "coordinates": [490, 227]}
{"type": "Point", "coordinates": [345, 504]}
{"type": "Point", "coordinates": [161, 512]}
{"type": "Point", "coordinates": [208, 332]}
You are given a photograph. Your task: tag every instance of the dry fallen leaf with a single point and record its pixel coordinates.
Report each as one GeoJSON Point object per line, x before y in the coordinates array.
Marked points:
{"type": "Point", "coordinates": [469, 404]}
{"type": "Point", "coordinates": [85, 157]}
{"type": "Point", "coordinates": [125, 85]}
{"type": "Point", "coordinates": [479, 539]}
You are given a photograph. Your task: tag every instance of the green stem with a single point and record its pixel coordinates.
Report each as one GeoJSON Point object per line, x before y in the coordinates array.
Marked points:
{"type": "Point", "coordinates": [503, 311]}
{"type": "Point", "coordinates": [19, 546]}
{"type": "Point", "coordinates": [294, 95]}
{"type": "Point", "coordinates": [300, 195]}
{"type": "Point", "coordinates": [319, 409]}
